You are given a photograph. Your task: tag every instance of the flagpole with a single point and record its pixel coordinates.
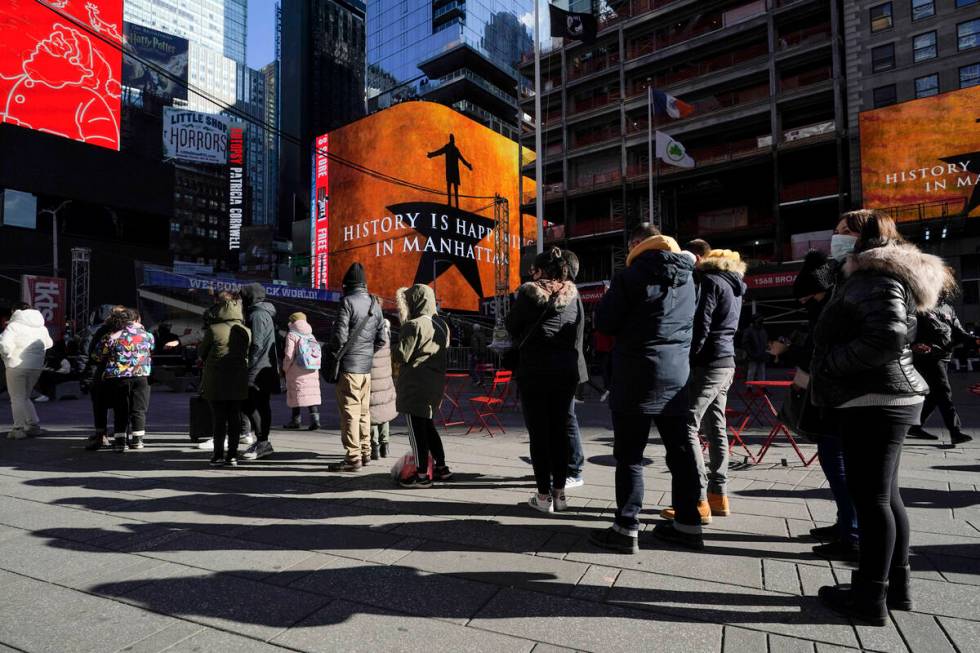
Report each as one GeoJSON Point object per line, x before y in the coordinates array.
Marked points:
{"type": "Point", "coordinates": [650, 163]}
{"type": "Point", "coordinates": [538, 148]}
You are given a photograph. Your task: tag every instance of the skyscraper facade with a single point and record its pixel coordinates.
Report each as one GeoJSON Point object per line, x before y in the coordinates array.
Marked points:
{"type": "Point", "coordinates": [218, 25]}
{"type": "Point", "coordinates": [321, 87]}
{"type": "Point", "coordinates": [463, 54]}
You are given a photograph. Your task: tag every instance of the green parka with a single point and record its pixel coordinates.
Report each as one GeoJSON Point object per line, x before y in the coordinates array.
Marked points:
{"type": "Point", "coordinates": [422, 352]}
{"type": "Point", "coordinates": [224, 351]}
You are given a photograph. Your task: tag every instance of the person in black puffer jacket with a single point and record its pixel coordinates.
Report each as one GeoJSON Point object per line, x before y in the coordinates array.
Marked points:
{"type": "Point", "coordinates": [263, 368]}
{"type": "Point", "coordinates": [720, 290]}
{"type": "Point", "coordinates": [649, 309]}
{"type": "Point", "coordinates": [939, 332]}
{"type": "Point", "coordinates": [862, 368]}
{"type": "Point", "coordinates": [545, 324]}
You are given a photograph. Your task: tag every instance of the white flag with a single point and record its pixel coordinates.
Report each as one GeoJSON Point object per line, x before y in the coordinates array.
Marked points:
{"type": "Point", "coordinates": [672, 152]}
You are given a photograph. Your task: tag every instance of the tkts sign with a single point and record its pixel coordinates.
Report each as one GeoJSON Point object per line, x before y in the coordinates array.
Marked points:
{"type": "Point", "coordinates": [46, 294]}
{"type": "Point", "coordinates": [236, 186]}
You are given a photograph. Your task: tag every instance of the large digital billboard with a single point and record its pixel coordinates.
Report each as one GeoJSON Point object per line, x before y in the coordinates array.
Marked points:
{"type": "Point", "coordinates": [416, 206]}
{"type": "Point", "coordinates": [148, 53]}
{"type": "Point", "coordinates": [925, 151]}
{"type": "Point", "coordinates": [60, 65]}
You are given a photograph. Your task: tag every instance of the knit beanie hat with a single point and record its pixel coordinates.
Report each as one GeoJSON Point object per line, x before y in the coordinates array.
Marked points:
{"type": "Point", "coordinates": [355, 276]}
{"type": "Point", "coordinates": [296, 317]}
{"type": "Point", "coordinates": [816, 276]}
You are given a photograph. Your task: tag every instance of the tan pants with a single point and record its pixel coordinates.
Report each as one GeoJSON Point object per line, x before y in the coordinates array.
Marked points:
{"type": "Point", "coordinates": [354, 400]}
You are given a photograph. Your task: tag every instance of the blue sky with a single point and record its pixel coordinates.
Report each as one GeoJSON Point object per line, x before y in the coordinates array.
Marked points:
{"type": "Point", "coordinates": [261, 45]}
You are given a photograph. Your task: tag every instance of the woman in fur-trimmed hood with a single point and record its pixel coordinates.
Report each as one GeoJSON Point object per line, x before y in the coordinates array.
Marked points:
{"type": "Point", "coordinates": [862, 368]}
{"type": "Point", "coordinates": [719, 275]}
{"type": "Point", "coordinates": [545, 325]}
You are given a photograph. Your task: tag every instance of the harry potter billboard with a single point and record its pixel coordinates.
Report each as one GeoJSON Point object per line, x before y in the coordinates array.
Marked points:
{"type": "Point", "coordinates": [926, 151]}
{"type": "Point", "coordinates": [417, 206]}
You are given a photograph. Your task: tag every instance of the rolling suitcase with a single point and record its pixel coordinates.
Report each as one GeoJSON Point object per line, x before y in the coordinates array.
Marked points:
{"type": "Point", "coordinates": [200, 426]}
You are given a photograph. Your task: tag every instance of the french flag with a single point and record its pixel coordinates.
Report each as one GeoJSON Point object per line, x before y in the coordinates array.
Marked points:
{"type": "Point", "coordinates": [665, 104]}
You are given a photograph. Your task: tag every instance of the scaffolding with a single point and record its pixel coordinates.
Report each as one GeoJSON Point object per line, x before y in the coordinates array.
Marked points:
{"type": "Point", "coordinates": [501, 267]}
{"type": "Point", "coordinates": [80, 286]}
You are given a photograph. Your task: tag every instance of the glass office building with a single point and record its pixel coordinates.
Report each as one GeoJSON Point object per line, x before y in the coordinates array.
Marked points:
{"type": "Point", "coordinates": [218, 25]}
{"type": "Point", "coordinates": [463, 53]}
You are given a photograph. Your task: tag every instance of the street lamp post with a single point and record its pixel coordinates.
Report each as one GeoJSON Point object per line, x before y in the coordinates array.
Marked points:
{"type": "Point", "coordinates": [54, 235]}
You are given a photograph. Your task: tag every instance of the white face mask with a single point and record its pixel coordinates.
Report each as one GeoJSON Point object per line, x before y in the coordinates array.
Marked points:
{"type": "Point", "coordinates": [841, 245]}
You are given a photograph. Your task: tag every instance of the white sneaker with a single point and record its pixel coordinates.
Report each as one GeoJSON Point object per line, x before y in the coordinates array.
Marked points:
{"type": "Point", "coordinates": [206, 445]}
{"type": "Point", "coordinates": [541, 505]}
{"type": "Point", "coordinates": [41, 399]}
{"type": "Point", "coordinates": [16, 434]}
{"type": "Point", "coordinates": [247, 440]}
{"type": "Point", "coordinates": [604, 396]}
{"type": "Point", "coordinates": [258, 450]}
{"type": "Point", "coordinates": [559, 502]}
{"type": "Point", "coordinates": [573, 481]}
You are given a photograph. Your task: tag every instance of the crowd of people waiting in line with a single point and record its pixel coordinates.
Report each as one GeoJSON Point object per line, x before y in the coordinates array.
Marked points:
{"type": "Point", "coordinates": [873, 365]}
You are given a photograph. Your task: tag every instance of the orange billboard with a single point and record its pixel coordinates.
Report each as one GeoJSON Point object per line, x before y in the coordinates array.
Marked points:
{"type": "Point", "coordinates": [923, 152]}
{"type": "Point", "coordinates": [411, 197]}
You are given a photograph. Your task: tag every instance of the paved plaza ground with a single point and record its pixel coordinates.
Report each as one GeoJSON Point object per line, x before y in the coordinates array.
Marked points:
{"type": "Point", "coordinates": [154, 551]}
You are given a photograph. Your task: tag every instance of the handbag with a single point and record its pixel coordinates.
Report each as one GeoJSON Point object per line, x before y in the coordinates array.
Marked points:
{"type": "Point", "coordinates": [801, 417]}
{"type": "Point", "coordinates": [331, 366]}
{"type": "Point", "coordinates": [511, 358]}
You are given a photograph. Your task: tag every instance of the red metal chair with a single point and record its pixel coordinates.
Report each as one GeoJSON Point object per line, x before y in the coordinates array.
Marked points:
{"type": "Point", "coordinates": [487, 407]}
{"type": "Point", "coordinates": [736, 423]}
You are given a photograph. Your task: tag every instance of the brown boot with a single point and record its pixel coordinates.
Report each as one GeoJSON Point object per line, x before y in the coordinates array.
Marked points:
{"type": "Point", "coordinates": [703, 509]}
{"type": "Point", "coordinates": [719, 504]}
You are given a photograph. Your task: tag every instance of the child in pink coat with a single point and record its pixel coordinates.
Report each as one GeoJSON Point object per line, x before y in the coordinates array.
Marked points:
{"type": "Point", "coordinates": [302, 381]}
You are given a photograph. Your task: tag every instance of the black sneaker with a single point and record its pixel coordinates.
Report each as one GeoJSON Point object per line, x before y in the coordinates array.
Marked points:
{"type": "Point", "coordinates": [442, 473]}
{"type": "Point", "coordinates": [314, 426]}
{"type": "Point", "coordinates": [119, 444]}
{"type": "Point", "coordinates": [97, 442]}
{"type": "Point", "coordinates": [383, 450]}
{"type": "Point", "coordinates": [917, 433]}
{"type": "Point", "coordinates": [960, 438]}
{"type": "Point", "coordinates": [231, 462]}
{"type": "Point", "coordinates": [292, 426]}
{"type": "Point", "coordinates": [136, 442]}
{"type": "Point", "coordinates": [613, 540]}
{"type": "Point", "coordinates": [217, 461]}
{"type": "Point", "coordinates": [345, 466]}
{"type": "Point", "coordinates": [667, 532]}
{"type": "Point", "coordinates": [839, 550]}
{"type": "Point", "coordinates": [419, 482]}
{"type": "Point", "coordinates": [825, 533]}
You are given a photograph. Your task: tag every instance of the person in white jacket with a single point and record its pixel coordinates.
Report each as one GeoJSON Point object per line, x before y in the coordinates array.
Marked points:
{"type": "Point", "coordinates": [22, 346]}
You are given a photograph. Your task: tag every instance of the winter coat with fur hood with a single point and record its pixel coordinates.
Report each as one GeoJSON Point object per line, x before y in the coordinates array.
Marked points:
{"type": "Point", "coordinates": [649, 308]}
{"type": "Point", "coordinates": [422, 352]}
{"type": "Point", "coordinates": [862, 341]}
{"type": "Point", "coordinates": [720, 292]}
{"type": "Point", "coordinates": [552, 346]}
{"type": "Point", "coordinates": [24, 341]}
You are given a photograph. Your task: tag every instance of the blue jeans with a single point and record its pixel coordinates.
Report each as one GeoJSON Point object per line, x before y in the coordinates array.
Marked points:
{"type": "Point", "coordinates": [576, 459]}
{"type": "Point", "coordinates": [832, 462]}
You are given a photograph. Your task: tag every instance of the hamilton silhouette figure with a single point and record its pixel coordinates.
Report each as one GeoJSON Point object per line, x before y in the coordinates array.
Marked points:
{"type": "Point", "coordinates": [453, 159]}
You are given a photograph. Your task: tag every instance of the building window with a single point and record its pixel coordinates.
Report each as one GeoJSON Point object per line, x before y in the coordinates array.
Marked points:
{"type": "Point", "coordinates": [970, 75]}
{"type": "Point", "coordinates": [884, 95]}
{"type": "Point", "coordinates": [881, 17]}
{"type": "Point", "coordinates": [923, 9]}
{"type": "Point", "coordinates": [965, 3]}
{"type": "Point", "coordinates": [924, 47]}
{"type": "Point", "coordinates": [968, 34]}
{"type": "Point", "coordinates": [926, 86]}
{"type": "Point", "coordinates": [883, 58]}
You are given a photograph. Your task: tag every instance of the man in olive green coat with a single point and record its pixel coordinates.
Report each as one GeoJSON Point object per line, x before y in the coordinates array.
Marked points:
{"type": "Point", "coordinates": [224, 382]}
{"type": "Point", "coordinates": [422, 353]}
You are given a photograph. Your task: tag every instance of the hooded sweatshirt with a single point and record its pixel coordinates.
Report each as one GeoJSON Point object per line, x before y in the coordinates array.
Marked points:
{"type": "Point", "coordinates": [224, 351]}
{"type": "Point", "coordinates": [720, 294]}
{"type": "Point", "coordinates": [261, 322]}
{"type": "Point", "coordinates": [422, 352]}
{"type": "Point", "coordinates": [649, 309]}
{"type": "Point", "coordinates": [24, 341]}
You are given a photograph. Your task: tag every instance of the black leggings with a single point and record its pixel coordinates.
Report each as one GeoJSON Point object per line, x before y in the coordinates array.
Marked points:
{"type": "Point", "coordinates": [872, 440]}
{"type": "Point", "coordinates": [425, 440]}
{"type": "Point", "coordinates": [544, 402]}
{"type": "Point", "coordinates": [129, 398]}
{"type": "Point", "coordinates": [226, 418]}
{"type": "Point", "coordinates": [100, 406]}
{"type": "Point", "coordinates": [259, 411]}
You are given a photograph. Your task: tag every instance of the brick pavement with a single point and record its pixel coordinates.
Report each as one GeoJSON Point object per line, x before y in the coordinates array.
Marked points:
{"type": "Point", "coordinates": [154, 551]}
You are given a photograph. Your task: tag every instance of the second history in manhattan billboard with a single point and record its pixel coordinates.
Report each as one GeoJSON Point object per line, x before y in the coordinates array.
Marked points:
{"type": "Point", "coordinates": [417, 205]}
{"type": "Point", "coordinates": [923, 152]}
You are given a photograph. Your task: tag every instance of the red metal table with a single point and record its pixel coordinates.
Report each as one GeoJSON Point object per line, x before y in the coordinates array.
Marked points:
{"type": "Point", "coordinates": [758, 395]}
{"type": "Point", "coordinates": [451, 395]}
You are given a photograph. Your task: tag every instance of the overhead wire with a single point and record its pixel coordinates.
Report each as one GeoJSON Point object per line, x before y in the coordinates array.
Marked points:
{"type": "Point", "coordinates": [244, 116]}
